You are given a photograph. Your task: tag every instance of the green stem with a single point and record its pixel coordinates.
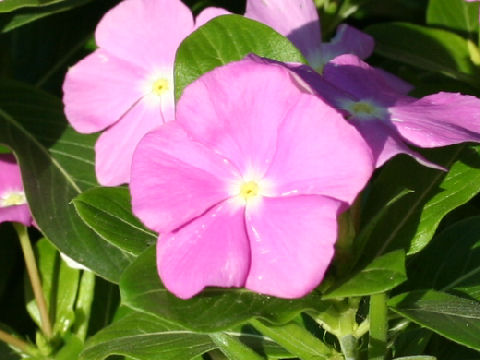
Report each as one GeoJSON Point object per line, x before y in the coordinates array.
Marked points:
{"type": "Point", "coordinates": [18, 343]}
{"type": "Point", "coordinates": [377, 345]}
{"type": "Point", "coordinates": [297, 340]}
{"type": "Point", "coordinates": [83, 306]}
{"type": "Point", "coordinates": [233, 348]}
{"type": "Point", "coordinates": [349, 346]}
{"type": "Point", "coordinates": [32, 271]}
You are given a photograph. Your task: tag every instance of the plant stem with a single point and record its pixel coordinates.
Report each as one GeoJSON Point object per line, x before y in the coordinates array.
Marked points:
{"type": "Point", "coordinates": [377, 344]}
{"type": "Point", "coordinates": [349, 347]}
{"type": "Point", "coordinates": [18, 343]}
{"type": "Point", "coordinates": [32, 271]}
{"type": "Point", "coordinates": [83, 306]}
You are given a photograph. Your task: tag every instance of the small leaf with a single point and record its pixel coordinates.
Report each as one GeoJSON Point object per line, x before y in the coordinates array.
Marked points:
{"type": "Point", "coordinates": [382, 274]}
{"type": "Point", "coordinates": [225, 39]}
{"type": "Point", "coordinates": [145, 337]}
{"type": "Point", "coordinates": [433, 49]}
{"type": "Point", "coordinates": [213, 310]}
{"type": "Point", "coordinates": [458, 15]}
{"type": "Point", "coordinates": [108, 211]}
{"type": "Point", "coordinates": [453, 317]}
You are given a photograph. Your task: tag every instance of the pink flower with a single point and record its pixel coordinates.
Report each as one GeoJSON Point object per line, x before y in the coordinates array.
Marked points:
{"type": "Point", "coordinates": [246, 184]}
{"type": "Point", "coordinates": [377, 104]}
{"type": "Point", "coordinates": [13, 204]}
{"type": "Point", "coordinates": [299, 21]}
{"type": "Point", "coordinates": [126, 85]}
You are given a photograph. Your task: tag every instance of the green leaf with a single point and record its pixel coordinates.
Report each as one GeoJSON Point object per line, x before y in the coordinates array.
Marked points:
{"type": "Point", "coordinates": [25, 16]}
{"type": "Point", "coordinates": [417, 357]}
{"type": "Point", "coordinates": [145, 337]}
{"type": "Point", "coordinates": [453, 317]}
{"type": "Point", "coordinates": [458, 15]}
{"type": "Point", "coordinates": [71, 348]}
{"type": "Point", "coordinates": [412, 220]}
{"type": "Point", "coordinates": [233, 348]}
{"type": "Point", "coordinates": [212, 310]}
{"type": "Point", "coordinates": [108, 211]}
{"type": "Point", "coordinates": [451, 261]}
{"type": "Point", "coordinates": [57, 164]}
{"type": "Point", "coordinates": [382, 274]}
{"type": "Point", "coordinates": [428, 48]}
{"type": "Point", "coordinates": [10, 5]}
{"type": "Point", "coordinates": [59, 284]}
{"type": "Point", "coordinates": [225, 39]}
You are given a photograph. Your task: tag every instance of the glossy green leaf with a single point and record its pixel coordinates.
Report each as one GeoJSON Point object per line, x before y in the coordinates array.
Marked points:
{"type": "Point", "coordinates": [212, 310]}
{"type": "Point", "coordinates": [10, 5]}
{"type": "Point", "coordinates": [108, 211]}
{"type": "Point", "coordinates": [225, 39]}
{"type": "Point", "coordinates": [57, 164]}
{"type": "Point", "coordinates": [59, 284]}
{"type": "Point", "coordinates": [428, 48]}
{"type": "Point", "coordinates": [458, 15]}
{"type": "Point", "coordinates": [382, 274]}
{"type": "Point", "coordinates": [411, 222]}
{"type": "Point", "coordinates": [25, 16]}
{"type": "Point", "coordinates": [451, 261]}
{"type": "Point", "coordinates": [453, 317]}
{"type": "Point", "coordinates": [145, 337]}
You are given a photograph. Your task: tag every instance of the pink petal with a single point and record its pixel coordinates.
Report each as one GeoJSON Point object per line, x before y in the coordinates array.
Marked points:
{"type": "Point", "coordinates": [385, 143]}
{"type": "Point", "coordinates": [99, 89]}
{"type": "Point", "coordinates": [359, 79]}
{"type": "Point", "coordinates": [175, 179]}
{"type": "Point", "coordinates": [438, 120]}
{"type": "Point", "coordinates": [145, 32]}
{"type": "Point", "coordinates": [292, 243]}
{"type": "Point", "coordinates": [212, 250]}
{"type": "Point", "coordinates": [318, 152]}
{"type": "Point", "coordinates": [348, 40]}
{"type": "Point", "coordinates": [114, 148]}
{"type": "Point", "coordinates": [296, 19]}
{"type": "Point", "coordinates": [208, 14]}
{"type": "Point", "coordinates": [11, 181]}
{"type": "Point", "coordinates": [236, 110]}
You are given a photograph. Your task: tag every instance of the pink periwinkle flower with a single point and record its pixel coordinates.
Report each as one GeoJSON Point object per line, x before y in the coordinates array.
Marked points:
{"type": "Point", "coordinates": [299, 21]}
{"type": "Point", "coordinates": [126, 85]}
{"type": "Point", "coordinates": [246, 184]}
{"type": "Point", "coordinates": [13, 203]}
{"type": "Point", "coordinates": [377, 104]}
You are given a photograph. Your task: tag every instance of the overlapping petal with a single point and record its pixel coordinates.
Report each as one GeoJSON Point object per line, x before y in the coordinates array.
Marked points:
{"type": "Point", "coordinates": [145, 32]}
{"type": "Point", "coordinates": [175, 179]}
{"type": "Point", "coordinates": [100, 89]}
{"type": "Point", "coordinates": [226, 110]}
{"type": "Point", "coordinates": [292, 243]}
{"type": "Point", "coordinates": [208, 14]}
{"type": "Point", "coordinates": [318, 152]}
{"type": "Point", "coordinates": [213, 250]}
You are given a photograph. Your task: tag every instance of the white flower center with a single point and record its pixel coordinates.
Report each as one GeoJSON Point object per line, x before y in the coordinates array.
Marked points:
{"type": "Point", "coordinates": [160, 86]}
{"type": "Point", "coordinates": [11, 198]}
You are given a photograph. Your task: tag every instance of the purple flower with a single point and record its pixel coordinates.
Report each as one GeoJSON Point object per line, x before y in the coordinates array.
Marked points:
{"type": "Point", "coordinates": [299, 21]}
{"type": "Point", "coordinates": [13, 204]}
{"type": "Point", "coordinates": [126, 85]}
{"type": "Point", "coordinates": [246, 184]}
{"type": "Point", "coordinates": [377, 104]}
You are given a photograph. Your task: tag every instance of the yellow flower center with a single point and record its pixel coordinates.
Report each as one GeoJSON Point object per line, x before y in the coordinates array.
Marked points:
{"type": "Point", "coordinates": [13, 198]}
{"type": "Point", "coordinates": [249, 190]}
{"type": "Point", "coordinates": [160, 86]}
{"type": "Point", "coordinates": [363, 108]}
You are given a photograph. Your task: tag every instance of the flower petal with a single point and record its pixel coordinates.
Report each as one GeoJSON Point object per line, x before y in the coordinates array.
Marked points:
{"type": "Point", "coordinates": [99, 89]}
{"type": "Point", "coordinates": [208, 14]}
{"type": "Point", "coordinates": [175, 179]}
{"type": "Point", "coordinates": [16, 213]}
{"type": "Point", "coordinates": [312, 156]}
{"type": "Point", "coordinates": [348, 40]}
{"type": "Point", "coordinates": [236, 110]}
{"type": "Point", "coordinates": [296, 19]}
{"type": "Point", "coordinates": [145, 32]}
{"type": "Point", "coordinates": [114, 148]}
{"type": "Point", "coordinates": [292, 243]}
{"type": "Point", "coordinates": [438, 120]}
{"type": "Point", "coordinates": [213, 250]}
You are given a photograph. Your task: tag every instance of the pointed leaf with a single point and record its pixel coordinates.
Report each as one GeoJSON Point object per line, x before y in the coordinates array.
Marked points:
{"type": "Point", "coordinates": [108, 211]}
{"type": "Point", "coordinates": [453, 317]}
{"type": "Point", "coordinates": [225, 39]}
